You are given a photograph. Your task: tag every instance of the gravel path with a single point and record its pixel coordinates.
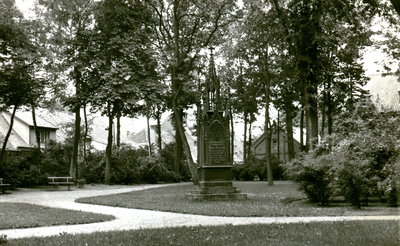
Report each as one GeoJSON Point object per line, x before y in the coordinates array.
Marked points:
{"type": "Point", "coordinates": [131, 219]}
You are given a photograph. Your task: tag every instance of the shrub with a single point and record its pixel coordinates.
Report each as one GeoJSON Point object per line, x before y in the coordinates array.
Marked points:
{"type": "Point", "coordinates": [353, 186]}
{"type": "Point", "coordinates": [314, 178]}
{"type": "Point", "coordinates": [94, 168]}
{"type": "Point", "coordinates": [255, 167]}
{"type": "Point", "coordinates": [168, 155]}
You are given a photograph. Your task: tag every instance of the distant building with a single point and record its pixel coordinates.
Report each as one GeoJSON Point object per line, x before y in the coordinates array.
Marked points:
{"type": "Point", "coordinates": [385, 91]}
{"type": "Point", "coordinates": [23, 134]}
{"type": "Point", "coordinates": [279, 147]}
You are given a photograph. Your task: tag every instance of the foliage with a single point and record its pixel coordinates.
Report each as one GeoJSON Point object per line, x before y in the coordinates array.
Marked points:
{"type": "Point", "coordinates": [254, 168]}
{"type": "Point", "coordinates": [130, 165]}
{"type": "Point", "coordinates": [313, 177]}
{"type": "Point", "coordinates": [34, 167]}
{"type": "Point", "coordinates": [360, 160]}
{"type": "Point", "coordinates": [3, 239]}
{"type": "Point", "coordinates": [168, 156]}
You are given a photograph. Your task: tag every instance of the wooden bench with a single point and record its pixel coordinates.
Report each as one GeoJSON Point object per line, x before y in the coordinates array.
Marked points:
{"type": "Point", "coordinates": [54, 181]}
{"type": "Point", "coordinates": [3, 186]}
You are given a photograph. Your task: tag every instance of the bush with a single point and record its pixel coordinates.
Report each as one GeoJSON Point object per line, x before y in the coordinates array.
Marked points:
{"type": "Point", "coordinates": [362, 159]}
{"type": "Point", "coordinates": [168, 155]}
{"type": "Point", "coordinates": [94, 168]}
{"type": "Point", "coordinates": [128, 166]}
{"type": "Point", "coordinates": [23, 171]}
{"type": "Point", "coordinates": [254, 167]}
{"type": "Point", "coordinates": [314, 178]}
{"type": "Point", "coordinates": [352, 186]}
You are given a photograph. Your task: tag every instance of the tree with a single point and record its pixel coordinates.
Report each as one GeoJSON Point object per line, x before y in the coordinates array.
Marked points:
{"type": "Point", "coordinates": [324, 38]}
{"type": "Point", "coordinates": [18, 56]}
{"type": "Point", "coordinates": [123, 65]}
{"type": "Point", "coordinates": [183, 29]}
{"type": "Point", "coordinates": [66, 24]}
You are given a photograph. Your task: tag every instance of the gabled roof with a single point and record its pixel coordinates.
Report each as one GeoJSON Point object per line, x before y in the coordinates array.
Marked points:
{"type": "Point", "coordinates": [26, 117]}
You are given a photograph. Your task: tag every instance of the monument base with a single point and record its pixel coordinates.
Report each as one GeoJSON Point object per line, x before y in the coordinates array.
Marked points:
{"type": "Point", "coordinates": [213, 187]}
{"type": "Point", "coordinates": [216, 191]}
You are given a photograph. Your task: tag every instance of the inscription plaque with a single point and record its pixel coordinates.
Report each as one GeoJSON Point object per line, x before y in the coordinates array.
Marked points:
{"type": "Point", "coordinates": [217, 144]}
{"type": "Point", "coordinates": [217, 152]}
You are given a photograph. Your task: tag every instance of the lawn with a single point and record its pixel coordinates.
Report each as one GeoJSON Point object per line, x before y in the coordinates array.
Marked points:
{"type": "Point", "coordinates": [281, 199]}
{"type": "Point", "coordinates": [327, 233]}
{"type": "Point", "coordinates": [22, 215]}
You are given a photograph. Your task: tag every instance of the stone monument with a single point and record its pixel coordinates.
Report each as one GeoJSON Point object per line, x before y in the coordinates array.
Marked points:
{"type": "Point", "coordinates": [215, 163]}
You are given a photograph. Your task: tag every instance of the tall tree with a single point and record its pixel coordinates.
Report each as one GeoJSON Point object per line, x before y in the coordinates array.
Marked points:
{"type": "Point", "coordinates": [318, 29]}
{"type": "Point", "coordinates": [122, 61]}
{"type": "Point", "coordinates": [182, 30]}
{"type": "Point", "coordinates": [18, 57]}
{"type": "Point", "coordinates": [66, 24]}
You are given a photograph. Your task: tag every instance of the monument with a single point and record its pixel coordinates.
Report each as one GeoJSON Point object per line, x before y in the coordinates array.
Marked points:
{"type": "Point", "coordinates": [215, 162]}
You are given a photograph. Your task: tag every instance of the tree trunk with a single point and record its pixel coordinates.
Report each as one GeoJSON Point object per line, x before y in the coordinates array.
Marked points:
{"type": "Point", "coordinates": [178, 143]}
{"type": "Point", "coordinates": [323, 120]}
{"type": "Point", "coordinates": [35, 128]}
{"type": "Point", "coordinates": [3, 149]}
{"type": "Point", "coordinates": [198, 123]}
{"type": "Point", "coordinates": [109, 145]}
{"type": "Point", "coordinates": [85, 134]}
{"type": "Point", "coordinates": [232, 135]}
{"type": "Point", "coordinates": [289, 131]}
{"type": "Point", "coordinates": [159, 136]}
{"type": "Point", "coordinates": [148, 132]}
{"type": "Point", "coordinates": [250, 141]}
{"type": "Point", "coordinates": [245, 139]}
{"type": "Point", "coordinates": [268, 135]}
{"type": "Point", "coordinates": [118, 131]}
{"type": "Point", "coordinates": [323, 111]}
{"type": "Point", "coordinates": [278, 137]}
{"type": "Point", "coordinates": [329, 110]}
{"type": "Point", "coordinates": [188, 153]}
{"type": "Point", "coordinates": [312, 116]}
{"type": "Point", "coordinates": [177, 85]}
{"type": "Point", "coordinates": [302, 130]}
{"type": "Point", "coordinates": [73, 171]}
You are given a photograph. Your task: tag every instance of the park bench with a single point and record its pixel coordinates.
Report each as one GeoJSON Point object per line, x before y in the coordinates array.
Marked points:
{"type": "Point", "coordinates": [3, 186]}
{"type": "Point", "coordinates": [54, 181]}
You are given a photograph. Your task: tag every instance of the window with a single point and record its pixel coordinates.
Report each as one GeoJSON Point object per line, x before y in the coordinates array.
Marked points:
{"type": "Point", "coordinates": [44, 136]}
{"type": "Point", "coordinates": [399, 95]}
{"type": "Point", "coordinates": [274, 144]}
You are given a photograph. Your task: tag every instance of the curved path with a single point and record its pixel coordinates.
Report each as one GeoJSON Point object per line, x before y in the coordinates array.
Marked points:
{"type": "Point", "coordinates": [131, 219]}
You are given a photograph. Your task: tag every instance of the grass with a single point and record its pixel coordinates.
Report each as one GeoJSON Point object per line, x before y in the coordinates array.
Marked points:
{"type": "Point", "coordinates": [282, 199]}
{"type": "Point", "coordinates": [327, 233]}
{"type": "Point", "coordinates": [22, 215]}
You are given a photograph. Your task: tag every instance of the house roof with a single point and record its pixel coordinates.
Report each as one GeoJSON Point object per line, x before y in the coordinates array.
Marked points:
{"type": "Point", "coordinates": [15, 140]}
{"type": "Point", "coordinates": [261, 137]}
{"type": "Point", "coordinates": [26, 117]}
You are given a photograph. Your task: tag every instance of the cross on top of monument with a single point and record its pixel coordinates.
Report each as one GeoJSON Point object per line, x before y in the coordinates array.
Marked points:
{"type": "Point", "coordinates": [213, 100]}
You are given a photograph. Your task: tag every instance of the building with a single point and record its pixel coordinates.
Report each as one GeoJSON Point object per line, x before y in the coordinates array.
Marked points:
{"type": "Point", "coordinates": [23, 135]}
{"type": "Point", "coordinates": [279, 147]}
{"type": "Point", "coordinates": [385, 91]}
